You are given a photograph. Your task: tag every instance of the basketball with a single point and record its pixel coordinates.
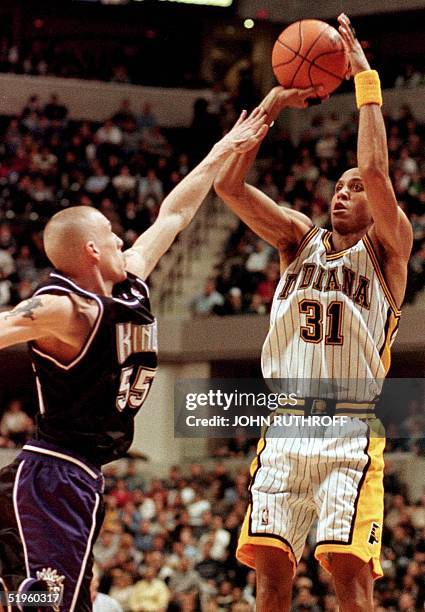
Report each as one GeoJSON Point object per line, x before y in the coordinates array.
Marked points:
{"type": "Point", "coordinates": [309, 53]}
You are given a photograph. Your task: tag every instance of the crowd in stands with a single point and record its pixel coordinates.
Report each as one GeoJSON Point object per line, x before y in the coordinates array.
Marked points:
{"type": "Point", "coordinates": [117, 63]}
{"type": "Point", "coordinates": [124, 166]}
{"type": "Point", "coordinates": [125, 63]}
{"type": "Point", "coordinates": [169, 545]}
{"type": "Point", "coordinates": [127, 164]}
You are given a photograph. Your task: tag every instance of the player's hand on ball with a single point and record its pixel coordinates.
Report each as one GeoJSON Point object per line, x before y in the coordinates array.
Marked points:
{"type": "Point", "coordinates": [356, 55]}
{"type": "Point", "coordinates": [301, 98]}
{"type": "Point", "coordinates": [247, 132]}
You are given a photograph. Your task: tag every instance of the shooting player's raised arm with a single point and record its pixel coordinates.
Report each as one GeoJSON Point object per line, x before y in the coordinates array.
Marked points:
{"type": "Point", "coordinates": [391, 228]}
{"type": "Point", "coordinates": [279, 227]}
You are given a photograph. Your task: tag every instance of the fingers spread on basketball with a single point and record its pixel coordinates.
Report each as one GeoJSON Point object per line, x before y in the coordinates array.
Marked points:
{"type": "Point", "coordinates": [347, 32]}
{"type": "Point", "coordinates": [355, 53]}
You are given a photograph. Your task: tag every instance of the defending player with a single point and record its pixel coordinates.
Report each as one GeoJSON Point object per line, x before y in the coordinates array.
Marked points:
{"type": "Point", "coordinates": [334, 315]}
{"type": "Point", "coordinates": [93, 346]}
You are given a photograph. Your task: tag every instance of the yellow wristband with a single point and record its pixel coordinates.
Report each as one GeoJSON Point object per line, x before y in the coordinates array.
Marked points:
{"type": "Point", "coordinates": [368, 88]}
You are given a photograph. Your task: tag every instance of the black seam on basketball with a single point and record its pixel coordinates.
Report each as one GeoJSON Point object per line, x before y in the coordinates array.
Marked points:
{"type": "Point", "coordinates": [337, 76]}
{"type": "Point", "coordinates": [289, 61]}
{"type": "Point", "coordinates": [313, 65]}
{"type": "Point", "coordinates": [307, 52]}
{"type": "Point", "coordinates": [309, 61]}
{"type": "Point", "coordinates": [300, 36]}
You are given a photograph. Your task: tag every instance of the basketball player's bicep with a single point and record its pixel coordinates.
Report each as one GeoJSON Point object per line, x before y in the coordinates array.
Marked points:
{"type": "Point", "coordinates": [278, 226]}
{"type": "Point", "coordinates": [390, 224]}
{"type": "Point", "coordinates": [35, 318]}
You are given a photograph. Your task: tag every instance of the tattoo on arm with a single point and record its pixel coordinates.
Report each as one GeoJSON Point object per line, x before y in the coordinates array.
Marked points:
{"type": "Point", "coordinates": [26, 310]}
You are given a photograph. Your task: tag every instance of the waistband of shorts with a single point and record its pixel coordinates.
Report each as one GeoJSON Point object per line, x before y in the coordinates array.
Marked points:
{"type": "Point", "coordinates": [46, 449]}
{"type": "Point", "coordinates": [315, 406]}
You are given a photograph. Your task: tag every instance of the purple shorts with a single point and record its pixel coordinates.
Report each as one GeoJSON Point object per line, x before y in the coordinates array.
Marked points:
{"type": "Point", "coordinates": [51, 513]}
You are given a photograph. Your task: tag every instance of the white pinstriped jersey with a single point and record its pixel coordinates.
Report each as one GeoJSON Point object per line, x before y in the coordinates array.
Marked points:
{"type": "Point", "coordinates": [333, 317]}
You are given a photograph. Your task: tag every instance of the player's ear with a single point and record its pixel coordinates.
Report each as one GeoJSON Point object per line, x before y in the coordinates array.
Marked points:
{"type": "Point", "coordinates": [92, 250]}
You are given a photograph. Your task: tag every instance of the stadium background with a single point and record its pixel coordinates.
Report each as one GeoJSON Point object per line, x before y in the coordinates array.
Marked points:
{"type": "Point", "coordinates": [93, 57]}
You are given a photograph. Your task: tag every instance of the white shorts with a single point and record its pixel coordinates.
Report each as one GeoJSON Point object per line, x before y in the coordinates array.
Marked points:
{"type": "Point", "coordinates": [310, 475]}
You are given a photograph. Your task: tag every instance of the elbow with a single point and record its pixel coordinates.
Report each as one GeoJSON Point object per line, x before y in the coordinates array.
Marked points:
{"type": "Point", "coordinates": [224, 189]}
{"type": "Point", "coordinates": [221, 186]}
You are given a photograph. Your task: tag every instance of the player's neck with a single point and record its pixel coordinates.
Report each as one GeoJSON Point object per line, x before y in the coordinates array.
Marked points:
{"type": "Point", "coordinates": [94, 283]}
{"type": "Point", "coordinates": [341, 242]}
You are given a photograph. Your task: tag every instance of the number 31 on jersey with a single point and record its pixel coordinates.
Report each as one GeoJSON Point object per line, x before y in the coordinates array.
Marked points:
{"type": "Point", "coordinates": [133, 395]}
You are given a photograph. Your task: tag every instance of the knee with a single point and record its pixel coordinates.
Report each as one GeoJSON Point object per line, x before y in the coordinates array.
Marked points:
{"type": "Point", "coordinates": [274, 578]}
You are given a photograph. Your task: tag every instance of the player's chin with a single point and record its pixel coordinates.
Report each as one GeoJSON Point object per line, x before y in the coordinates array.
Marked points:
{"type": "Point", "coordinates": [120, 274]}
{"type": "Point", "coordinates": [342, 223]}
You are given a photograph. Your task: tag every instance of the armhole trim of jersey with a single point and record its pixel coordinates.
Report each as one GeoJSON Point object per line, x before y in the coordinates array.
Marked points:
{"type": "Point", "coordinates": [312, 232]}
{"type": "Point", "coordinates": [86, 344]}
{"type": "Point", "coordinates": [391, 328]}
{"type": "Point", "coordinates": [375, 262]}
{"type": "Point", "coordinates": [144, 284]}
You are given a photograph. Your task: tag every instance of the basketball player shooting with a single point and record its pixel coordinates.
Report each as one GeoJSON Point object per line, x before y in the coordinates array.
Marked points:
{"type": "Point", "coordinates": [334, 315]}
{"type": "Point", "coordinates": [92, 340]}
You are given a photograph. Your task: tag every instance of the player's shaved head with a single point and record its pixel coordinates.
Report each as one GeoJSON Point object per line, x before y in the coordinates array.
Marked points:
{"type": "Point", "coordinates": [67, 233]}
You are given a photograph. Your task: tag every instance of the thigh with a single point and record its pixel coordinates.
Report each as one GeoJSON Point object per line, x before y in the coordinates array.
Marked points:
{"type": "Point", "coordinates": [58, 509]}
{"type": "Point", "coordinates": [350, 500]}
{"type": "Point", "coordinates": [274, 579]}
{"type": "Point", "coordinates": [12, 558]}
{"type": "Point", "coordinates": [282, 508]}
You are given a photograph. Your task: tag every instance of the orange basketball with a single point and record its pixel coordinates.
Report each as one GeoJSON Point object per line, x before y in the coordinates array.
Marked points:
{"type": "Point", "coordinates": [310, 53]}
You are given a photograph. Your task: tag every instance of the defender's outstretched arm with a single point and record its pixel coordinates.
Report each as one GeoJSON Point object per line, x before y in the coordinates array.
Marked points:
{"type": "Point", "coordinates": [179, 207]}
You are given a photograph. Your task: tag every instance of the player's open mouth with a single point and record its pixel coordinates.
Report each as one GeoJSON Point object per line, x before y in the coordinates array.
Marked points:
{"type": "Point", "coordinates": [339, 206]}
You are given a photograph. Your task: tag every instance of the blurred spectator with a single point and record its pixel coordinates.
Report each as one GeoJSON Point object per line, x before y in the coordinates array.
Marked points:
{"type": "Point", "coordinates": [185, 579]}
{"type": "Point", "coordinates": [267, 287]}
{"type": "Point", "coordinates": [150, 594]}
{"type": "Point", "coordinates": [55, 111]}
{"type": "Point", "coordinates": [100, 601]}
{"type": "Point", "coordinates": [124, 115]}
{"type": "Point", "coordinates": [204, 129]}
{"type": "Point", "coordinates": [15, 424]}
{"type": "Point", "coordinates": [216, 97]}
{"type": "Point", "coordinates": [232, 304]}
{"type": "Point", "coordinates": [410, 77]}
{"type": "Point", "coordinates": [150, 186]}
{"type": "Point", "coordinates": [124, 181]}
{"type": "Point", "coordinates": [146, 119]}
{"type": "Point", "coordinates": [204, 303]}
{"type": "Point", "coordinates": [154, 143]}
{"type": "Point", "coordinates": [97, 180]}
{"type": "Point", "coordinates": [256, 305]}
{"type": "Point", "coordinates": [121, 588]}
{"type": "Point", "coordinates": [120, 74]}
{"type": "Point", "coordinates": [109, 133]}
{"type": "Point", "coordinates": [258, 260]}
